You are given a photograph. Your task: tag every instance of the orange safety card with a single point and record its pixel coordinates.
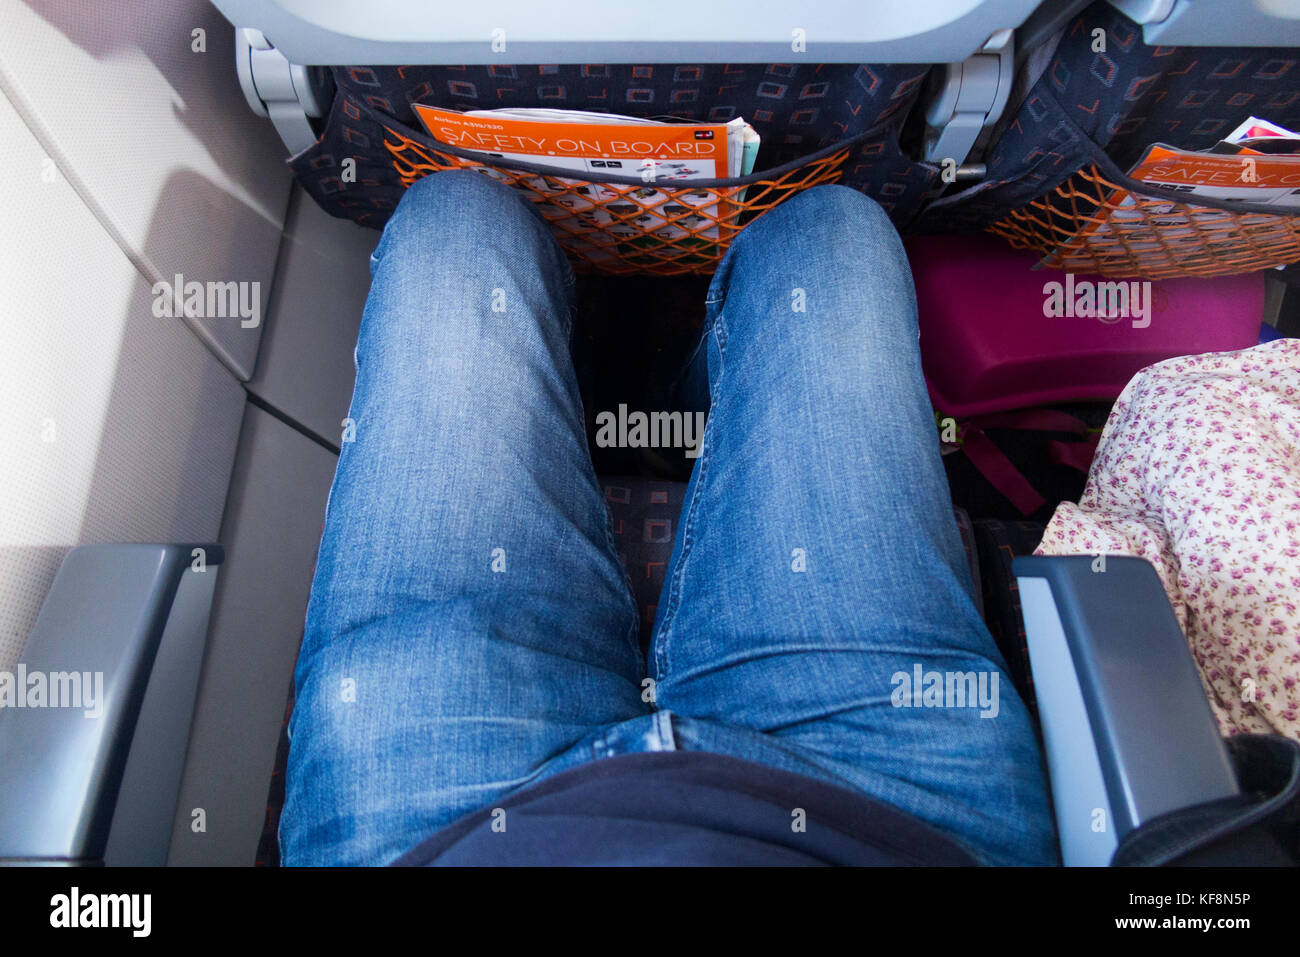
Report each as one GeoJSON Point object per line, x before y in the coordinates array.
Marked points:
{"type": "Point", "coordinates": [658, 152]}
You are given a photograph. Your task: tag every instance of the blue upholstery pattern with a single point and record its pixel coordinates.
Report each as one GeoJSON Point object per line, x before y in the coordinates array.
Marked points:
{"type": "Point", "coordinates": [1125, 99]}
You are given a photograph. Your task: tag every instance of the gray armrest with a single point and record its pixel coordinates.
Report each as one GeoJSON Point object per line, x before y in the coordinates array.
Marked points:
{"type": "Point", "coordinates": [1128, 730]}
{"type": "Point", "coordinates": [91, 767]}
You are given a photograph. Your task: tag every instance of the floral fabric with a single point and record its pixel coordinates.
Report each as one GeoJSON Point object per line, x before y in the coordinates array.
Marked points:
{"type": "Point", "coordinates": [1198, 472]}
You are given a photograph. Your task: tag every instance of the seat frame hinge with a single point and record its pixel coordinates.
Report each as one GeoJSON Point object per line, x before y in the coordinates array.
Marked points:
{"type": "Point", "coordinates": [289, 94]}
{"type": "Point", "coordinates": [972, 96]}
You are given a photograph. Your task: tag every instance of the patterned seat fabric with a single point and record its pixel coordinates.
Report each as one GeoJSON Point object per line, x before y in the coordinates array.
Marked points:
{"type": "Point", "coordinates": [1125, 98]}
{"type": "Point", "coordinates": [643, 516]}
{"type": "Point", "coordinates": [997, 543]}
{"type": "Point", "coordinates": [796, 109]}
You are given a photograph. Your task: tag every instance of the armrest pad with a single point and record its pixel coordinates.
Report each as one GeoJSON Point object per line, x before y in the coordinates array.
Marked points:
{"type": "Point", "coordinates": [1157, 745]}
{"type": "Point", "coordinates": [93, 650]}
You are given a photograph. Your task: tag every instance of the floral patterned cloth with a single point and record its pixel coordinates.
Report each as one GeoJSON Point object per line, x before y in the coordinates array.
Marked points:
{"type": "Point", "coordinates": [1198, 472]}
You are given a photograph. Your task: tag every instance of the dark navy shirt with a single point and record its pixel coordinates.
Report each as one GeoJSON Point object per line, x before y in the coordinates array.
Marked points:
{"type": "Point", "coordinates": [685, 808]}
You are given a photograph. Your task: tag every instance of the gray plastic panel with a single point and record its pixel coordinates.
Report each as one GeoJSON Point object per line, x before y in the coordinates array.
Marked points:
{"type": "Point", "coordinates": [1083, 813]}
{"type": "Point", "coordinates": [342, 33]}
{"type": "Point", "coordinates": [304, 369]}
{"type": "Point", "coordinates": [271, 532]}
{"type": "Point", "coordinates": [108, 616]}
{"type": "Point", "coordinates": [1157, 742]}
{"type": "Point", "coordinates": [146, 802]}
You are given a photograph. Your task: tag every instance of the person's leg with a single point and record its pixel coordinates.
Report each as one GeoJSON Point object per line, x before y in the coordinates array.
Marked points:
{"type": "Point", "coordinates": [818, 559]}
{"type": "Point", "coordinates": [469, 617]}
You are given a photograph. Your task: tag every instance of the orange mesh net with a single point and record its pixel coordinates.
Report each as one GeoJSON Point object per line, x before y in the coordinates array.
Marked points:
{"type": "Point", "coordinates": [620, 229]}
{"type": "Point", "coordinates": [1089, 224]}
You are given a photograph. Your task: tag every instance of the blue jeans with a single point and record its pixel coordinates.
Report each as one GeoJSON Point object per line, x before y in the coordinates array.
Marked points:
{"type": "Point", "coordinates": [471, 629]}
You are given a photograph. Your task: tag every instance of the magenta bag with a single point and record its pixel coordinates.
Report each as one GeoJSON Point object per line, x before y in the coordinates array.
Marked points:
{"type": "Point", "coordinates": [988, 344]}
{"type": "Point", "coordinates": [1000, 337]}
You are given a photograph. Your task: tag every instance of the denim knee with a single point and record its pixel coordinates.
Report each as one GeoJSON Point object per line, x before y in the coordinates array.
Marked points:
{"type": "Point", "coordinates": [446, 192]}
{"type": "Point", "coordinates": [468, 214]}
{"type": "Point", "coordinates": [826, 216]}
{"type": "Point", "coordinates": [826, 266]}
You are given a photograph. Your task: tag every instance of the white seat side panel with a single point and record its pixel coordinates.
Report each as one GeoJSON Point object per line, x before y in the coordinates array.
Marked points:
{"type": "Point", "coordinates": [116, 426]}
{"type": "Point", "coordinates": [157, 138]}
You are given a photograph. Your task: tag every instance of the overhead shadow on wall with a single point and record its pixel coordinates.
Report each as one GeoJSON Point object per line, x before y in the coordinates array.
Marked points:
{"type": "Point", "coordinates": [205, 84]}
